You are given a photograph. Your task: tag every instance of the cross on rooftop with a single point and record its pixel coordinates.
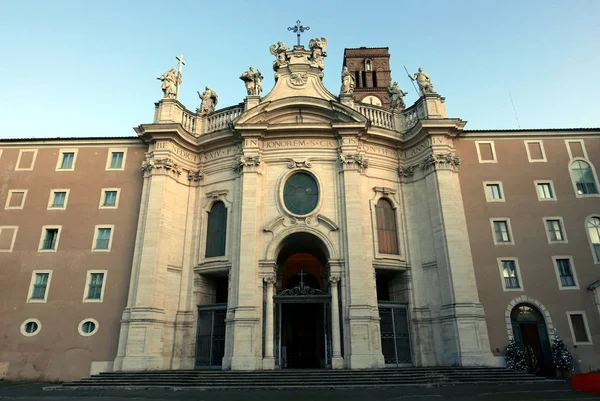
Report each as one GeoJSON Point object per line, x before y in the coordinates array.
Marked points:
{"type": "Point", "coordinates": [298, 29]}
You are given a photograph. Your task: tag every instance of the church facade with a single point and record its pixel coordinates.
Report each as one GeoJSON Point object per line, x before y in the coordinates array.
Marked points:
{"type": "Point", "coordinates": [299, 229]}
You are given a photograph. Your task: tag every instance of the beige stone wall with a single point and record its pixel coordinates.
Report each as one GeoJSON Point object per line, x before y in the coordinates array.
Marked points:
{"type": "Point", "coordinates": [58, 351]}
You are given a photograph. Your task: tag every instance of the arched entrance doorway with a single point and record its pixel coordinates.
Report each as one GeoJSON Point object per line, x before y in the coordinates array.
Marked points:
{"type": "Point", "coordinates": [302, 304]}
{"type": "Point", "coordinates": [529, 329]}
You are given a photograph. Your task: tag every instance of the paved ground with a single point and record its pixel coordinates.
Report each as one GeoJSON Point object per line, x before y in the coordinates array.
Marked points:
{"type": "Point", "coordinates": [554, 392]}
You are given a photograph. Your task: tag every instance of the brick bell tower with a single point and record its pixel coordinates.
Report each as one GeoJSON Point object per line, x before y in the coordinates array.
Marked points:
{"type": "Point", "coordinates": [371, 69]}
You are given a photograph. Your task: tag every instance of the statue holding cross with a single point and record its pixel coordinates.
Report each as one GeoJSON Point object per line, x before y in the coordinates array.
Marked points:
{"type": "Point", "coordinates": [171, 80]}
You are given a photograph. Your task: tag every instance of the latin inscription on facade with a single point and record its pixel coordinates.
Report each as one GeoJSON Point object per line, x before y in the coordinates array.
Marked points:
{"type": "Point", "coordinates": [426, 144]}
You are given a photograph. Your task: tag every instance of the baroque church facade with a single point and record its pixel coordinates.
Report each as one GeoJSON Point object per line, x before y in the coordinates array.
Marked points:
{"type": "Point", "coordinates": [299, 229]}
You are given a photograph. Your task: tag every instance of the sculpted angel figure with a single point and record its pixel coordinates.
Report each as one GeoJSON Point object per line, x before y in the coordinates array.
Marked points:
{"type": "Point", "coordinates": [317, 47]}
{"type": "Point", "coordinates": [348, 81]}
{"type": "Point", "coordinates": [170, 83]}
{"type": "Point", "coordinates": [396, 97]}
{"type": "Point", "coordinates": [425, 85]}
{"type": "Point", "coordinates": [253, 80]}
{"type": "Point", "coordinates": [209, 100]}
{"type": "Point", "coordinates": [278, 51]}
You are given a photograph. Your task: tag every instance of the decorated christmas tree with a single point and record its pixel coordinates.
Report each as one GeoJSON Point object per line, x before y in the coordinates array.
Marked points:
{"type": "Point", "coordinates": [515, 357]}
{"type": "Point", "coordinates": [563, 361]}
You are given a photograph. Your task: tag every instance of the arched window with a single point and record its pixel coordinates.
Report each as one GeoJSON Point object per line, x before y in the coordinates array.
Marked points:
{"type": "Point", "coordinates": [368, 65]}
{"type": "Point", "coordinates": [593, 228]}
{"type": "Point", "coordinates": [216, 230]}
{"type": "Point", "coordinates": [583, 176]}
{"type": "Point", "coordinates": [387, 233]}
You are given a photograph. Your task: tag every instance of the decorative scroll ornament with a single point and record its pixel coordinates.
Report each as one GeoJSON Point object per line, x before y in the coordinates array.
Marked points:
{"type": "Point", "coordinates": [354, 160]}
{"type": "Point", "coordinates": [195, 175]}
{"type": "Point", "coordinates": [301, 290]}
{"type": "Point", "coordinates": [165, 164]}
{"type": "Point", "coordinates": [443, 160]}
{"type": "Point", "coordinates": [334, 280]}
{"type": "Point", "coordinates": [299, 79]}
{"type": "Point", "coordinates": [269, 280]}
{"type": "Point", "coordinates": [245, 162]}
{"type": "Point", "coordinates": [299, 164]}
{"type": "Point", "coordinates": [406, 171]}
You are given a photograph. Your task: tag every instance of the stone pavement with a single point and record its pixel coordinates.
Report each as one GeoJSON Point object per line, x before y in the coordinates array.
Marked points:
{"type": "Point", "coordinates": [554, 392]}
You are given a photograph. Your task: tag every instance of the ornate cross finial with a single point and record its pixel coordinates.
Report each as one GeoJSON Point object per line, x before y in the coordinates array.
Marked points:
{"type": "Point", "coordinates": [181, 61]}
{"type": "Point", "coordinates": [301, 274]}
{"type": "Point", "coordinates": [298, 29]}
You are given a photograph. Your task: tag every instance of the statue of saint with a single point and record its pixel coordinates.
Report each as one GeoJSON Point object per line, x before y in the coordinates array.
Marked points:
{"type": "Point", "coordinates": [209, 100]}
{"type": "Point", "coordinates": [396, 97]}
{"type": "Point", "coordinates": [253, 80]}
{"type": "Point", "coordinates": [170, 83]}
{"type": "Point", "coordinates": [281, 59]}
{"type": "Point", "coordinates": [425, 85]}
{"type": "Point", "coordinates": [348, 81]}
{"type": "Point", "coordinates": [317, 47]}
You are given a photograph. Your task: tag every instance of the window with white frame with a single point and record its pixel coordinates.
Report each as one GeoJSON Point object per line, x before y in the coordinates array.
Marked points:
{"type": "Point", "coordinates": [509, 272]}
{"type": "Point", "coordinates": [593, 231]}
{"type": "Point", "coordinates": [26, 159]}
{"type": "Point", "coordinates": [66, 160]}
{"type": "Point", "coordinates": [8, 235]}
{"type": "Point", "coordinates": [493, 191]}
{"type": "Point", "coordinates": [15, 199]}
{"type": "Point", "coordinates": [555, 230]}
{"type": "Point", "coordinates": [102, 238]}
{"type": "Point", "coordinates": [565, 272]}
{"type": "Point", "coordinates": [94, 286]}
{"type": "Point", "coordinates": [535, 151]}
{"type": "Point", "coordinates": [88, 327]}
{"type": "Point", "coordinates": [583, 178]}
{"type": "Point", "coordinates": [39, 286]}
{"type": "Point", "coordinates": [31, 327]}
{"type": "Point", "coordinates": [58, 199]}
{"type": "Point", "coordinates": [486, 152]}
{"type": "Point", "coordinates": [580, 330]}
{"type": "Point", "coordinates": [501, 231]}
{"type": "Point", "coordinates": [109, 198]}
{"type": "Point", "coordinates": [545, 190]}
{"type": "Point", "coordinates": [116, 158]}
{"type": "Point", "coordinates": [49, 239]}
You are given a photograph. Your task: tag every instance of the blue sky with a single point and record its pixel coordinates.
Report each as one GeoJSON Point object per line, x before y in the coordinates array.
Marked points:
{"type": "Point", "coordinates": [89, 68]}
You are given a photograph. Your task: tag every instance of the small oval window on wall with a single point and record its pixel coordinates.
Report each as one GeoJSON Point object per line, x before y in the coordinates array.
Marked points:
{"type": "Point", "coordinates": [301, 194]}
{"type": "Point", "coordinates": [88, 327]}
{"type": "Point", "coordinates": [30, 327]}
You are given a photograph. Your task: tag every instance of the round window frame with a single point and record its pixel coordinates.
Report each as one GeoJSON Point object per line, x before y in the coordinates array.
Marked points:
{"type": "Point", "coordinates": [31, 320]}
{"type": "Point", "coordinates": [286, 177]}
{"type": "Point", "coordinates": [83, 333]}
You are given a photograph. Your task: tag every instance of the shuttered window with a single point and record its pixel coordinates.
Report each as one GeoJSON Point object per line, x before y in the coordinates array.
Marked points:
{"type": "Point", "coordinates": [387, 232]}
{"type": "Point", "coordinates": [216, 231]}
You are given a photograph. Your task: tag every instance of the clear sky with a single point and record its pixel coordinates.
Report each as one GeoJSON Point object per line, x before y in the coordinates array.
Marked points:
{"type": "Point", "coordinates": [89, 68]}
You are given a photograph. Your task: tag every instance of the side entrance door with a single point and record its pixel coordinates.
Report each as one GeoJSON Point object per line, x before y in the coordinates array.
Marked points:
{"type": "Point", "coordinates": [395, 340]}
{"type": "Point", "coordinates": [210, 338]}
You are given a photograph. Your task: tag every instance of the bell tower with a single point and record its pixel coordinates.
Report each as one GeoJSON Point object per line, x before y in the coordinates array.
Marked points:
{"type": "Point", "coordinates": [372, 73]}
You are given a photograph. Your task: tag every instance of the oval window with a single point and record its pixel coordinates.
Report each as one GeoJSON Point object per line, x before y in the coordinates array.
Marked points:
{"type": "Point", "coordinates": [30, 327]}
{"type": "Point", "coordinates": [88, 327]}
{"type": "Point", "coordinates": [301, 194]}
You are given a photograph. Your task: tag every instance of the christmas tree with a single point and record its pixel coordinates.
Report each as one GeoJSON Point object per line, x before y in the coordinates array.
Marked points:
{"type": "Point", "coordinates": [515, 357]}
{"type": "Point", "coordinates": [563, 361]}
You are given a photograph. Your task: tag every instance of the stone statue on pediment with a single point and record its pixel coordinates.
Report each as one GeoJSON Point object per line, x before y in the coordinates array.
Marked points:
{"type": "Point", "coordinates": [253, 80]}
{"type": "Point", "coordinates": [348, 81]}
{"type": "Point", "coordinates": [317, 47]}
{"type": "Point", "coordinates": [209, 100]}
{"type": "Point", "coordinates": [281, 59]}
{"type": "Point", "coordinates": [423, 80]}
{"type": "Point", "coordinates": [396, 97]}
{"type": "Point", "coordinates": [170, 81]}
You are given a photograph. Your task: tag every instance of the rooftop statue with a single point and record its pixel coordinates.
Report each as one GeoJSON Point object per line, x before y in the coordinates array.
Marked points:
{"type": "Point", "coordinates": [396, 97]}
{"type": "Point", "coordinates": [317, 47]}
{"type": "Point", "coordinates": [253, 80]}
{"type": "Point", "coordinates": [425, 85]}
{"type": "Point", "coordinates": [170, 83]}
{"type": "Point", "coordinates": [348, 81]}
{"type": "Point", "coordinates": [281, 59]}
{"type": "Point", "coordinates": [209, 100]}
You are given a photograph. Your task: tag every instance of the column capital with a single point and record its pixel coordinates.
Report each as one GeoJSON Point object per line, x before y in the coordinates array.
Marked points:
{"type": "Point", "coordinates": [269, 280]}
{"type": "Point", "coordinates": [334, 279]}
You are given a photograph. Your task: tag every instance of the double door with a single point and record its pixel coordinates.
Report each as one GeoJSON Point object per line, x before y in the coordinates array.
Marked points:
{"type": "Point", "coordinates": [395, 339]}
{"type": "Point", "coordinates": [210, 338]}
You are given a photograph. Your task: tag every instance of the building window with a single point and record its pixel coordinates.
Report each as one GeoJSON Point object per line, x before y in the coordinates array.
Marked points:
{"type": "Point", "coordinates": [579, 328]}
{"type": "Point", "coordinates": [26, 159]}
{"type": "Point", "coordinates": [486, 152]}
{"type": "Point", "coordinates": [565, 272]}
{"type": "Point", "coordinates": [50, 238]}
{"type": "Point", "coordinates": [15, 199]}
{"type": "Point", "coordinates": [509, 272]}
{"type": "Point", "coordinates": [38, 288]}
{"type": "Point", "coordinates": [576, 148]}
{"type": "Point", "coordinates": [554, 230]}
{"type": "Point", "coordinates": [368, 65]}
{"type": "Point", "coordinates": [94, 286]}
{"type": "Point", "coordinates": [535, 151]}
{"type": "Point", "coordinates": [66, 160]}
{"type": "Point", "coordinates": [58, 199]}
{"type": "Point", "coordinates": [387, 233]}
{"type": "Point", "coordinates": [593, 230]}
{"type": "Point", "coordinates": [216, 231]}
{"type": "Point", "coordinates": [301, 194]}
{"type": "Point", "coordinates": [31, 327]}
{"type": "Point", "coordinates": [116, 158]}
{"type": "Point", "coordinates": [545, 190]}
{"type": "Point", "coordinates": [102, 238]}
{"type": "Point", "coordinates": [502, 231]}
{"type": "Point", "coordinates": [493, 191]}
{"type": "Point", "coordinates": [88, 327]}
{"type": "Point", "coordinates": [8, 235]}
{"type": "Point", "coordinates": [583, 178]}
{"type": "Point", "coordinates": [109, 198]}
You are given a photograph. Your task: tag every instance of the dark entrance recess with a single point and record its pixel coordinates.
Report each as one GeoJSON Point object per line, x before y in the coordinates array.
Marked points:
{"type": "Point", "coordinates": [210, 336]}
{"type": "Point", "coordinates": [303, 335]}
{"type": "Point", "coordinates": [529, 328]}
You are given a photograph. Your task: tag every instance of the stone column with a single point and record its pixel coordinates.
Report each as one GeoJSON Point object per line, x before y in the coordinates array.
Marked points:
{"type": "Point", "coordinates": [269, 360]}
{"type": "Point", "coordinates": [337, 362]}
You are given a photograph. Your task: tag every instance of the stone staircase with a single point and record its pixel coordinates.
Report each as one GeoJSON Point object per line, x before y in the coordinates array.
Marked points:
{"type": "Point", "coordinates": [302, 379]}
